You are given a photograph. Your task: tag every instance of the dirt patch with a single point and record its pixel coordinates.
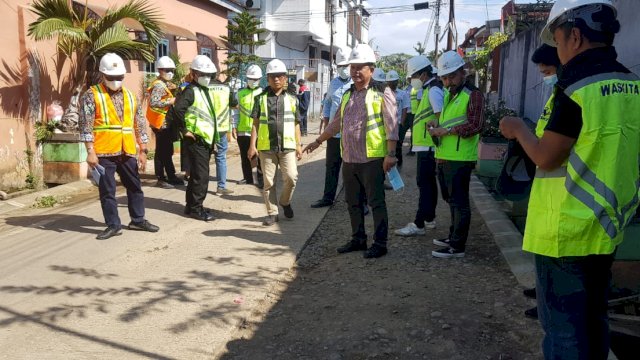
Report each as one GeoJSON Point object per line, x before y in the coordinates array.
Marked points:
{"type": "Point", "coordinates": [406, 305]}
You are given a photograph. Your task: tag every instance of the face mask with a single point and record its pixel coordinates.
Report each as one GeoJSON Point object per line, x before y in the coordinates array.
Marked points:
{"type": "Point", "coordinates": [551, 80]}
{"type": "Point", "coordinates": [204, 80]}
{"type": "Point", "coordinates": [416, 83]}
{"type": "Point", "coordinates": [168, 76]}
{"type": "Point", "coordinates": [252, 84]}
{"type": "Point", "coordinates": [114, 85]}
{"type": "Point", "coordinates": [344, 72]}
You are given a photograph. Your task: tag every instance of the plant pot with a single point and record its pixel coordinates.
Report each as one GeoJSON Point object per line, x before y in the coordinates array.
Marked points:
{"type": "Point", "coordinates": [491, 156]}
{"type": "Point", "coordinates": [64, 159]}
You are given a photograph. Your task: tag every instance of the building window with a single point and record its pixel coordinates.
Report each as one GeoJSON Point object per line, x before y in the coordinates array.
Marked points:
{"type": "Point", "coordinates": [161, 50]}
{"type": "Point", "coordinates": [327, 10]}
{"type": "Point", "coordinates": [208, 52]}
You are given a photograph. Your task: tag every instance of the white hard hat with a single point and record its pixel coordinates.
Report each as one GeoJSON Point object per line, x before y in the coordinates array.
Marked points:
{"type": "Point", "coordinates": [392, 75]}
{"type": "Point", "coordinates": [254, 72]}
{"type": "Point", "coordinates": [378, 75]}
{"type": "Point", "coordinates": [342, 56]}
{"type": "Point", "coordinates": [112, 64]}
{"type": "Point", "coordinates": [562, 7]}
{"type": "Point", "coordinates": [449, 62]}
{"type": "Point", "coordinates": [203, 64]}
{"type": "Point", "coordinates": [276, 66]}
{"type": "Point", "coordinates": [165, 62]}
{"type": "Point", "coordinates": [416, 64]}
{"type": "Point", "coordinates": [362, 54]}
{"type": "Point", "coordinates": [435, 70]}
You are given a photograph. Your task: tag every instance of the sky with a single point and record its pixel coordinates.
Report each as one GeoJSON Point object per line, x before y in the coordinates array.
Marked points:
{"type": "Point", "coordinates": [400, 31]}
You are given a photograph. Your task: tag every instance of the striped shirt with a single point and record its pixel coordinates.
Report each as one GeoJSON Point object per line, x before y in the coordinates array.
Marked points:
{"type": "Point", "coordinates": [354, 124]}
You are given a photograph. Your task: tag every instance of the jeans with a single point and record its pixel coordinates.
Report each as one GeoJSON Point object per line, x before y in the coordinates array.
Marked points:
{"type": "Point", "coordinates": [163, 161]}
{"type": "Point", "coordinates": [454, 178]}
{"type": "Point", "coordinates": [221, 160]}
{"type": "Point", "coordinates": [427, 186]}
{"type": "Point", "coordinates": [572, 300]}
{"type": "Point", "coordinates": [127, 169]}
{"type": "Point", "coordinates": [199, 154]}
{"type": "Point", "coordinates": [303, 122]}
{"type": "Point", "coordinates": [365, 183]}
{"type": "Point", "coordinates": [333, 162]}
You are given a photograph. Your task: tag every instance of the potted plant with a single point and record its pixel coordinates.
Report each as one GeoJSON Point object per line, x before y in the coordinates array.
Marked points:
{"type": "Point", "coordinates": [492, 145]}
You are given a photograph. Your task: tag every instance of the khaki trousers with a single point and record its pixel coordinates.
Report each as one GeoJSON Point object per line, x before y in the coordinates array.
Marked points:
{"type": "Point", "coordinates": [270, 160]}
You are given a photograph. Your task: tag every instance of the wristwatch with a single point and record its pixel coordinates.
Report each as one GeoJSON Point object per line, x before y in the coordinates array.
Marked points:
{"type": "Point", "coordinates": [391, 153]}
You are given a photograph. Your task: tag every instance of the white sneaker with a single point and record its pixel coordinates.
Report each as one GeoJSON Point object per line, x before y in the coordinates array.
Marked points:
{"type": "Point", "coordinates": [410, 230]}
{"type": "Point", "coordinates": [430, 224]}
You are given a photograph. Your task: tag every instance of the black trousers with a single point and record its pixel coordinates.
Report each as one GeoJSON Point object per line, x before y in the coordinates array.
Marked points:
{"type": "Point", "coordinates": [454, 178]}
{"type": "Point", "coordinates": [163, 160]}
{"type": "Point", "coordinates": [402, 132]}
{"type": "Point", "coordinates": [127, 169]}
{"type": "Point", "coordinates": [199, 155]}
{"type": "Point", "coordinates": [365, 183]}
{"type": "Point", "coordinates": [427, 186]}
{"type": "Point", "coordinates": [333, 162]}
{"type": "Point", "coordinates": [243, 143]}
{"type": "Point", "coordinates": [303, 122]}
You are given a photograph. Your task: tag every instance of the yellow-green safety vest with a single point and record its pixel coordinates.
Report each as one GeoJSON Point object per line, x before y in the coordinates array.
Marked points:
{"type": "Point", "coordinates": [289, 126]}
{"type": "Point", "coordinates": [454, 112]}
{"type": "Point", "coordinates": [592, 199]}
{"type": "Point", "coordinates": [546, 113]}
{"type": "Point", "coordinates": [420, 131]}
{"type": "Point", "coordinates": [413, 95]}
{"type": "Point", "coordinates": [199, 118]}
{"type": "Point", "coordinates": [376, 135]}
{"type": "Point", "coordinates": [246, 99]}
{"type": "Point", "coordinates": [221, 106]}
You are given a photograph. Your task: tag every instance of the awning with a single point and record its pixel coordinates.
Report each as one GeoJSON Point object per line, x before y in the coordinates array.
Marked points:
{"type": "Point", "coordinates": [219, 42]}
{"type": "Point", "coordinates": [167, 28]}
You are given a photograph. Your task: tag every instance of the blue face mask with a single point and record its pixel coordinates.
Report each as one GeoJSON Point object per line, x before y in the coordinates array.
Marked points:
{"type": "Point", "coordinates": [551, 80]}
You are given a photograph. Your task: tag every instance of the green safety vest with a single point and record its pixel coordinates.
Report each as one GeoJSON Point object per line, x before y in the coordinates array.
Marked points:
{"type": "Point", "coordinates": [376, 135]}
{"type": "Point", "coordinates": [414, 100]}
{"type": "Point", "coordinates": [420, 131]}
{"type": "Point", "coordinates": [454, 113]}
{"type": "Point", "coordinates": [586, 206]}
{"type": "Point", "coordinates": [200, 119]}
{"type": "Point", "coordinates": [546, 113]}
{"type": "Point", "coordinates": [221, 106]}
{"type": "Point", "coordinates": [289, 128]}
{"type": "Point", "coordinates": [246, 98]}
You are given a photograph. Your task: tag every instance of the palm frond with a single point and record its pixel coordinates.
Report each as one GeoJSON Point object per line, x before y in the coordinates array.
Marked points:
{"type": "Point", "coordinates": [116, 39]}
{"type": "Point", "coordinates": [139, 10]}
{"type": "Point", "coordinates": [44, 29]}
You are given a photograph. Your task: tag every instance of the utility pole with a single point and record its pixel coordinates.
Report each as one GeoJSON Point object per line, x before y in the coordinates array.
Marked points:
{"type": "Point", "coordinates": [452, 20]}
{"type": "Point", "coordinates": [436, 31]}
{"type": "Point", "coordinates": [331, 42]}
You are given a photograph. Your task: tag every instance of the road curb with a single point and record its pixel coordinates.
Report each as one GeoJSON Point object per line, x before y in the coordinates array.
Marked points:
{"type": "Point", "coordinates": [504, 233]}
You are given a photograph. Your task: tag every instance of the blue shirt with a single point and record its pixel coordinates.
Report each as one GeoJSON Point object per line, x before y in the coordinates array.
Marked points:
{"type": "Point", "coordinates": [403, 101]}
{"type": "Point", "coordinates": [331, 103]}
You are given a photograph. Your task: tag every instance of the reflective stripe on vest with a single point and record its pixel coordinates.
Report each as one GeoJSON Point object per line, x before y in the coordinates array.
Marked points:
{"type": "Point", "coordinates": [199, 118]}
{"type": "Point", "coordinates": [288, 128]}
{"type": "Point", "coordinates": [454, 113]}
{"type": "Point", "coordinates": [420, 131]}
{"type": "Point", "coordinates": [597, 198]}
{"type": "Point", "coordinates": [220, 97]}
{"type": "Point", "coordinates": [246, 99]}
{"type": "Point", "coordinates": [111, 134]}
{"type": "Point", "coordinates": [414, 100]}
{"type": "Point", "coordinates": [156, 115]}
{"type": "Point", "coordinates": [376, 135]}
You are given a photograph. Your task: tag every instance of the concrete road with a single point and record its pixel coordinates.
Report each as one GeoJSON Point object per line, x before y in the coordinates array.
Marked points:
{"type": "Point", "coordinates": [176, 294]}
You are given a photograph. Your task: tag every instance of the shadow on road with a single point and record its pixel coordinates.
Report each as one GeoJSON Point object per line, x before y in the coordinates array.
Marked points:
{"type": "Point", "coordinates": [58, 223]}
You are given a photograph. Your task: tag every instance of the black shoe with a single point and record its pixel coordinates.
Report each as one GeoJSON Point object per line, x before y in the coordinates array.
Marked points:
{"type": "Point", "coordinates": [530, 293]}
{"type": "Point", "coordinates": [388, 186]}
{"type": "Point", "coordinates": [322, 203]}
{"type": "Point", "coordinates": [176, 181]}
{"type": "Point", "coordinates": [411, 153]}
{"type": "Point", "coordinates": [203, 215]}
{"type": "Point", "coordinates": [351, 246]}
{"type": "Point", "coordinates": [144, 225]}
{"type": "Point", "coordinates": [270, 220]}
{"type": "Point", "coordinates": [109, 232]}
{"type": "Point", "coordinates": [164, 184]}
{"type": "Point", "coordinates": [375, 251]}
{"type": "Point", "coordinates": [531, 313]}
{"type": "Point", "coordinates": [448, 253]}
{"type": "Point", "coordinates": [288, 211]}
{"type": "Point", "coordinates": [242, 182]}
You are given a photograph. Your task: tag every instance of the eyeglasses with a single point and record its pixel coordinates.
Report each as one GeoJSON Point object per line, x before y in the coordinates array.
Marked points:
{"type": "Point", "coordinates": [114, 77]}
{"type": "Point", "coordinates": [273, 76]}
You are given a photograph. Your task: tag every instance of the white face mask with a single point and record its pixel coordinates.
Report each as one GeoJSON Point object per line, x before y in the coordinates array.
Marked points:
{"type": "Point", "coordinates": [168, 76]}
{"type": "Point", "coordinates": [252, 84]}
{"type": "Point", "coordinates": [416, 83]}
{"type": "Point", "coordinates": [114, 85]}
{"type": "Point", "coordinates": [204, 80]}
{"type": "Point", "coordinates": [344, 72]}
{"type": "Point", "coordinates": [551, 79]}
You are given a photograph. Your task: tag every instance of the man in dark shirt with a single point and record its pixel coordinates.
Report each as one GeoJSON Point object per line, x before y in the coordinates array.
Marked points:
{"type": "Point", "coordinates": [304, 95]}
{"type": "Point", "coordinates": [276, 131]}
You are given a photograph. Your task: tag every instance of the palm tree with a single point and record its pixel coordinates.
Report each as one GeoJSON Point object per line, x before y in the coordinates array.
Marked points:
{"type": "Point", "coordinates": [243, 35]}
{"type": "Point", "coordinates": [82, 38]}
